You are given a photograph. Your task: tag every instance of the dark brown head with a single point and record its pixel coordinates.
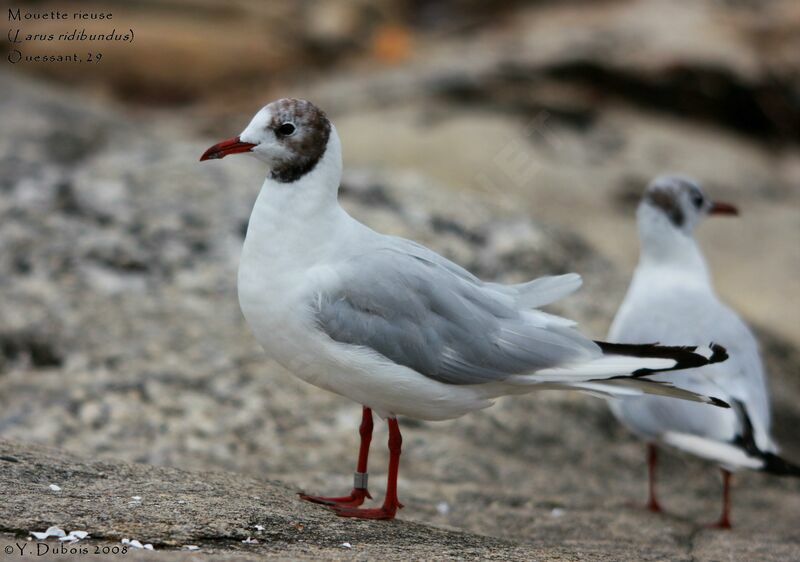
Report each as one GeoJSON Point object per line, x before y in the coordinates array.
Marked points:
{"type": "Point", "coordinates": [681, 201]}
{"type": "Point", "coordinates": [290, 135]}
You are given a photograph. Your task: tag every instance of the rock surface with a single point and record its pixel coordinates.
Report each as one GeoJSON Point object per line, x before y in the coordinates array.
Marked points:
{"type": "Point", "coordinates": [229, 516]}
{"type": "Point", "coordinates": [215, 511]}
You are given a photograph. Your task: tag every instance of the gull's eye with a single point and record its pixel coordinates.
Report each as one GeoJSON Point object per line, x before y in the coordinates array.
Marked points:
{"type": "Point", "coordinates": [287, 129]}
{"type": "Point", "coordinates": [697, 199]}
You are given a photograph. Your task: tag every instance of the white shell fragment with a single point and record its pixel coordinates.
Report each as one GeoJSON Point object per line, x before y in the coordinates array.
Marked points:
{"type": "Point", "coordinates": [136, 544]}
{"type": "Point", "coordinates": [74, 536]}
{"type": "Point", "coordinates": [80, 535]}
{"type": "Point", "coordinates": [346, 545]}
{"type": "Point", "coordinates": [249, 540]}
{"type": "Point", "coordinates": [54, 487]}
{"type": "Point", "coordinates": [50, 532]}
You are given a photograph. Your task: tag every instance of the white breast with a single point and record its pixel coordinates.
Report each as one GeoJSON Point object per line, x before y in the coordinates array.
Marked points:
{"type": "Point", "coordinates": [291, 237]}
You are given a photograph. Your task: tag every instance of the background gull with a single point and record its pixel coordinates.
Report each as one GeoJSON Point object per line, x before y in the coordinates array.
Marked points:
{"type": "Point", "coordinates": [671, 299]}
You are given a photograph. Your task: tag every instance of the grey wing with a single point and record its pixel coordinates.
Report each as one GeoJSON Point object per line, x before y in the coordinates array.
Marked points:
{"type": "Point", "coordinates": [682, 317]}
{"type": "Point", "coordinates": [424, 312]}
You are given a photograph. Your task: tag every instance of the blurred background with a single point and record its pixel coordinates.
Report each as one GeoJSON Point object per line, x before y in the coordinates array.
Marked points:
{"type": "Point", "coordinates": [514, 137]}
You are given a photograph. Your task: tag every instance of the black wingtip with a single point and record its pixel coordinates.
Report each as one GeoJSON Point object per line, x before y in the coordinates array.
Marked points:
{"type": "Point", "coordinates": [773, 464]}
{"type": "Point", "coordinates": [718, 402]}
{"type": "Point", "coordinates": [718, 353]}
{"type": "Point", "coordinates": [685, 357]}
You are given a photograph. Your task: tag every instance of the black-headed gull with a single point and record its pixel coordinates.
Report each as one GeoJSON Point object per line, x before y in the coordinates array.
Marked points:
{"type": "Point", "coordinates": [671, 299]}
{"type": "Point", "coordinates": [392, 325]}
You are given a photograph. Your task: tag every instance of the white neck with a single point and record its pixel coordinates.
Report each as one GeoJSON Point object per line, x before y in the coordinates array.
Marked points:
{"type": "Point", "coordinates": [665, 245]}
{"type": "Point", "coordinates": [299, 215]}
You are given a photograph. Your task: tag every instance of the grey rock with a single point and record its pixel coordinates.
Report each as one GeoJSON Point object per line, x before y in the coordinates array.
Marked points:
{"type": "Point", "coordinates": [216, 511]}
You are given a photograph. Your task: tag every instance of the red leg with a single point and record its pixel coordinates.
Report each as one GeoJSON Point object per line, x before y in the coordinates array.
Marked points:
{"type": "Point", "coordinates": [725, 520]}
{"type": "Point", "coordinates": [390, 504]}
{"type": "Point", "coordinates": [359, 492]}
{"type": "Point", "coordinates": [652, 463]}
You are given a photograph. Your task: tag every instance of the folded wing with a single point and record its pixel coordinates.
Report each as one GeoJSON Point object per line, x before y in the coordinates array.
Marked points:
{"type": "Point", "coordinates": [426, 313]}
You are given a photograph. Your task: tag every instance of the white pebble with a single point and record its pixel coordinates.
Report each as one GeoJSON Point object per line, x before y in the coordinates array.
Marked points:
{"type": "Point", "coordinates": [55, 488]}
{"type": "Point", "coordinates": [191, 547]}
{"type": "Point", "coordinates": [443, 508]}
{"type": "Point", "coordinates": [346, 545]}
